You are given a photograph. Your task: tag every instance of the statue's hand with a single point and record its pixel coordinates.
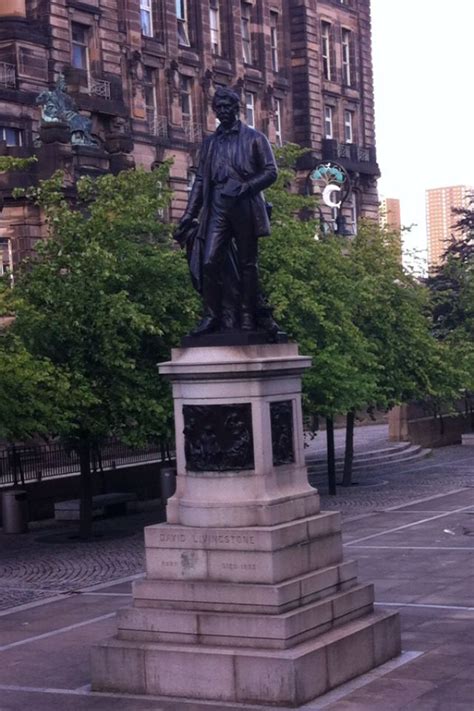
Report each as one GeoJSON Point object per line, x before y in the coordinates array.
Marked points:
{"type": "Point", "coordinates": [186, 219]}
{"type": "Point", "coordinates": [181, 232]}
{"type": "Point", "coordinates": [244, 189]}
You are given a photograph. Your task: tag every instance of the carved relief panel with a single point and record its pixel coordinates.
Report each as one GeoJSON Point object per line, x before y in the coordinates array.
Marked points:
{"type": "Point", "coordinates": [218, 437]}
{"type": "Point", "coordinates": [281, 418]}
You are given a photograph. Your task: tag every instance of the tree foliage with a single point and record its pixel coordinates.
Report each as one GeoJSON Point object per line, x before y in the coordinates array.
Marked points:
{"type": "Point", "coordinates": [392, 311]}
{"type": "Point", "coordinates": [8, 163]}
{"type": "Point", "coordinates": [349, 304]}
{"type": "Point", "coordinates": [34, 395]}
{"type": "Point", "coordinates": [105, 299]}
{"type": "Point", "coordinates": [452, 294]}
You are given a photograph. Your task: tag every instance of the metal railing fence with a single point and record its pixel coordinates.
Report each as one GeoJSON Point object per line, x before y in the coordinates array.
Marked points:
{"type": "Point", "coordinates": [20, 464]}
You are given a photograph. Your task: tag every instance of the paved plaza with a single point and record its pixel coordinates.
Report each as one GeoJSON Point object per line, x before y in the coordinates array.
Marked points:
{"type": "Point", "coordinates": [412, 533]}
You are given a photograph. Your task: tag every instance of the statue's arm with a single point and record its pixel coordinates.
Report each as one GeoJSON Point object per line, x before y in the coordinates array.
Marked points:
{"type": "Point", "coordinates": [195, 200]}
{"type": "Point", "coordinates": [268, 171]}
{"type": "Point", "coordinates": [193, 208]}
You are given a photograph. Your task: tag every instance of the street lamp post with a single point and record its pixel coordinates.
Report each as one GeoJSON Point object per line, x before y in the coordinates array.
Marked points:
{"type": "Point", "coordinates": [332, 182]}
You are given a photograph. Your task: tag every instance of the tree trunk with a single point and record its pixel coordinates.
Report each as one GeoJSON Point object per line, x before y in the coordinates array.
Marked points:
{"type": "Point", "coordinates": [85, 511]}
{"type": "Point", "coordinates": [349, 449]}
{"type": "Point", "coordinates": [331, 456]}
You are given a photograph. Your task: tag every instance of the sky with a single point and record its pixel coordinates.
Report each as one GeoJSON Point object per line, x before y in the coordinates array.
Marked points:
{"type": "Point", "coordinates": [423, 55]}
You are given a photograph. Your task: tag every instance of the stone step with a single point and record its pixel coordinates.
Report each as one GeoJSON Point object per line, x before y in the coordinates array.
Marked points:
{"type": "Point", "coordinates": [374, 463]}
{"type": "Point", "coordinates": [244, 675]}
{"type": "Point", "coordinates": [248, 554]}
{"type": "Point", "coordinates": [235, 597]}
{"type": "Point", "coordinates": [375, 455]}
{"type": "Point", "coordinates": [245, 629]}
{"type": "Point", "coordinates": [366, 454]}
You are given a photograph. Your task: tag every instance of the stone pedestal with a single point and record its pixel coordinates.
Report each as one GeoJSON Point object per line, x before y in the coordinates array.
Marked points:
{"type": "Point", "coordinates": [246, 596]}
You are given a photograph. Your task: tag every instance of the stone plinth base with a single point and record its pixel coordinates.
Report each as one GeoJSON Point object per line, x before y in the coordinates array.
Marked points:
{"type": "Point", "coordinates": [247, 597]}
{"type": "Point", "coordinates": [287, 677]}
{"type": "Point", "coordinates": [263, 614]}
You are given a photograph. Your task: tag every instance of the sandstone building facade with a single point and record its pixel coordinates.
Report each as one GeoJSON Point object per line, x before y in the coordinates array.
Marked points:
{"type": "Point", "coordinates": [144, 71]}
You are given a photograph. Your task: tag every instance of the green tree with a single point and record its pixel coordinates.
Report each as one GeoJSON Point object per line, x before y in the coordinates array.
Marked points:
{"type": "Point", "coordinates": [9, 163]}
{"type": "Point", "coordinates": [104, 300]}
{"type": "Point", "coordinates": [452, 296]}
{"type": "Point", "coordinates": [34, 395]}
{"type": "Point", "coordinates": [392, 310]}
{"type": "Point", "coordinates": [350, 305]}
{"type": "Point", "coordinates": [309, 282]}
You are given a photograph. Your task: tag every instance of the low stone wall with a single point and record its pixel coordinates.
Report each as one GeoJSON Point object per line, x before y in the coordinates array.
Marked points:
{"type": "Point", "coordinates": [411, 423]}
{"type": "Point", "coordinates": [141, 479]}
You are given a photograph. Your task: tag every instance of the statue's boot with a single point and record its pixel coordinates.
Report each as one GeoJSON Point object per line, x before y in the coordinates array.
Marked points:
{"type": "Point", "coordinates": [208, 324]}
{"type": "Point", "coordinates": [249, 299]}
{"type": "Point", "coordinates": [211, 296]}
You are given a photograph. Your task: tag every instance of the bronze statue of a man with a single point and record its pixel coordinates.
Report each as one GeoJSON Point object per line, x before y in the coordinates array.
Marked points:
{"type": "Point", "coordinates": [236, 164]}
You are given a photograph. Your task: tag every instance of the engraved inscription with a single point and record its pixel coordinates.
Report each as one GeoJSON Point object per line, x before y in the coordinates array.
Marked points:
{"type": "Point", "coordinates": [281, 418]}
{"type": "Point", "coordinates": [239, 566]}
{"type": "Point", "coordinates": [218, 437]}
{"type": "Point", "coordinates": [204, 539]}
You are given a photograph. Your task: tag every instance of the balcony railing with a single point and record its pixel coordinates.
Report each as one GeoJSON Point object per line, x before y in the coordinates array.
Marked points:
{"type": "Point", "coordinates": [157, 125]}
{"type": "Point", "coordinates": [192, 130]}
{"type": "Point", "coordinates": [99, 87]}
{"type": "Point", "coordinates": [344, 150]}
{"type": "Point", "coordinates": [364, 154]}
{"type": "Point", "coordinates": [351, 155]}
{"type": "Point", "coordinates": [7, 75]}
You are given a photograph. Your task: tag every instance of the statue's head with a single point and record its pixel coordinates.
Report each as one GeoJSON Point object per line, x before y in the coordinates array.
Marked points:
{"type": "Point", "coordinates": [226, 105]}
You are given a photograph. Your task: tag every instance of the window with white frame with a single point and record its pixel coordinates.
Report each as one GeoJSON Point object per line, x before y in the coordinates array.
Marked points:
{"type": "Point", "coordinates": [80, 46]}
{"type": "Point", "coordinates": [274, 40]}
{"type": "Point", "coordinates": [348, 126]}
{"type": "Point", "coordinates": [214, 23]}
{"type": "Point", "coordinates": [346, 57]}
{"type": "Point", "coordinates": [326, 50]}
{"type": "Point", "coordinates": [245, 24]}
{"type": "Point", "coordinates": [146, 18]}
{"type": "Point", "coordinates": [250, 108]}
{"type": "Point", "coordinates": [182, 19]}
{"type": "Point", "coordinates": [186, 90]}
{"type": "Point", "coordinates": [11, 136]}
{"type": "Point", "coordinates": [278, 131]}
{"type": "Point", "coordinates": [149, 86]}
{"type": "Point", "coordinates": [6, 258]}
{"type": "Point", "coordinates": [328, 122]}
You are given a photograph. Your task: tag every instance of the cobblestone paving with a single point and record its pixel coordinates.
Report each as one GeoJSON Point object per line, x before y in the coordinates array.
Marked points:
{"type": "Point", "coordinates": [445, 469]}
{"type": "Point", "coordinates": [32, 569]}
